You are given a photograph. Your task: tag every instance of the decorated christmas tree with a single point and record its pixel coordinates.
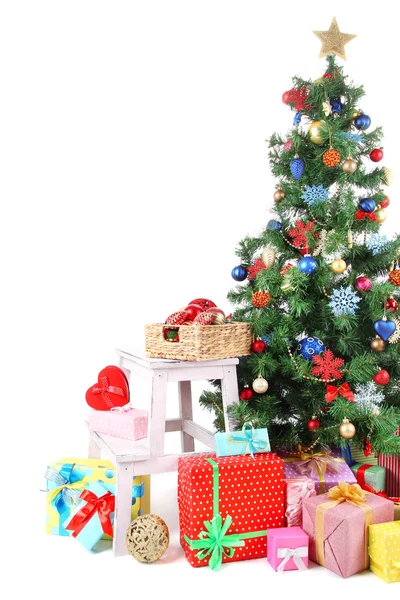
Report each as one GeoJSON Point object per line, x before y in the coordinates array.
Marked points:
{"type": "Point", "coordinates": [319, 283]}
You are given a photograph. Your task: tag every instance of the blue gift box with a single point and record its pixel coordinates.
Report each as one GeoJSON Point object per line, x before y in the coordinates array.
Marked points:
{"type": "Point", "coordinates": [93, 516]}
{"type": "Point", "coordinates": [247, 441]}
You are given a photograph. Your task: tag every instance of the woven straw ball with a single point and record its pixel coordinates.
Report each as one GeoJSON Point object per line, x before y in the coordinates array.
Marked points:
{"type": "Point", "coordinates": [147, 538]}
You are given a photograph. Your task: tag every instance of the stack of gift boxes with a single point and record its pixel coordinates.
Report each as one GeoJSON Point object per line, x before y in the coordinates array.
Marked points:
{"type": "Point", "coordinates": [81, 492]}
{"type": "Point", "coordinates": [245, 502]}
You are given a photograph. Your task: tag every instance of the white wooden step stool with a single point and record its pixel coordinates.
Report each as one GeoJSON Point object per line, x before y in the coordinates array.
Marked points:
{"type": "Point", "coordinates": [143, 457]}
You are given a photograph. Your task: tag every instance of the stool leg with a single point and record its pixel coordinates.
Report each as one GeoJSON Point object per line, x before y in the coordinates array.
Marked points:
{"type": "Point", "coordinates": [157, 416]}
{"type": "Point", "coordinates": [93, 450]}
{"type": "Point", "coordinates": [230, 391]}
{"type": "Point", "coordinates": [185, 413]}
{"type": "Point", "coordinates": [123, 506]}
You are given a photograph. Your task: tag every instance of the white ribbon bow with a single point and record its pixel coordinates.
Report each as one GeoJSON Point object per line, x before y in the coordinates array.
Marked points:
{"type": "Point", "coordinates": [296, 554]}
{"type": "Point", "coordinates": [122, 409]}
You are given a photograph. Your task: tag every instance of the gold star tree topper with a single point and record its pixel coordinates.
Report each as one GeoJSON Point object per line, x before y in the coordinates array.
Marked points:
{"type": "Point", "coordinates": [333, 40]}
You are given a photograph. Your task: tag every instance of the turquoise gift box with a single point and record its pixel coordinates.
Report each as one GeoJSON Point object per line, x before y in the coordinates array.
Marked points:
{"type": "Point", "coordinates": [93, 516]}
{"type": "Point", "coordinates": [247, 441]}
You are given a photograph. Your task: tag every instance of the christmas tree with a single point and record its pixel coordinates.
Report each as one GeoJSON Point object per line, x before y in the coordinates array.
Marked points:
{"type": "Point", "coordinates": [319, 283]}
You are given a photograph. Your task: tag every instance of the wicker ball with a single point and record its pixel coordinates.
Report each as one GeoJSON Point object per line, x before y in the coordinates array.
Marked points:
{"type": "Point", "coordinates": [394, 277]}
{"type": "Point", "coordinates": [331, 158]}
{"type": "Point", "coordinates": [147, 538]}
{"type": "Point", "coordinates": [260, 299]}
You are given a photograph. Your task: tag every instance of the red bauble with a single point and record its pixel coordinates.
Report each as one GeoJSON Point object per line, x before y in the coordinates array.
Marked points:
{"type": "Point", "coordinates": [286, 97]}
{"type": "Point", "coordinates": [258, 346]}
{"type": "Point", "coordinates": [246, 394]}
{"type": "Point", "coordinates": [313, 424]}
{"type": "Point", "coordinates": [303, 251]}
{"type": "Point", "coordinates": [376, 155]}
{"type": "Point", "coordinates": [363, 283]}
{"type": "Point", "coordinates": [392, 304]}
{"type": "Point", "coordinates": [192, 310]}
{"type": "Point", "coordinates": [385, 202]}
{"type": "Point", "coordinates": [382, 377]}
{"type": "Point", "coordinates": [215, 310]}
{"type": "Point", "coordinates": [203, 302]}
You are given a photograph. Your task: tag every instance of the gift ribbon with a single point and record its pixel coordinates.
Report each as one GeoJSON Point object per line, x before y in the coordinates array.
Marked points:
{"type": "Point", "coordinates": [103, 505]}
{"type": "Point", "coordinates": [296, 554]}
{"type": "Point", "coordinates": [360, 215]}
{"type": "Point", "coordinates": [344, 492]}
{"type": "Point", "coordinates": [70, 482]}
{"type": "Point", "coordinates": [214, 542]}
{"type": "Point", "coordinates": [253, 444]}
{"type": "Point", "coordinates": [332, 392]}
{"type": "Point", "coordinates": [360, 475]}
{"type": "Point", "coordinates": [316, 465]}
{"type": "Point", "coordinates": [121, 409]}
{"type": "Point", "coordinates": [294, 511]}
{"type": "Point", "coordinates": [105, 388]}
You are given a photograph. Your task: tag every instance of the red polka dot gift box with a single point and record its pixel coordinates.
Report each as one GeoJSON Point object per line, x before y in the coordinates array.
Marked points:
{"type": "Point", "coordinates": [227, 504]}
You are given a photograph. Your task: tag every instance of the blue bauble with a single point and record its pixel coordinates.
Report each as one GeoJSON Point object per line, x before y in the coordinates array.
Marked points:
{"type": "Point", "coordinates": [337, 106]}
{"type": "Point", "coordinates": [239, 273]}
{"type": "Point", "coordinates": [297, 168]}
{"type": "Point", "coordinates": [274, 225]}
{"type": "Point", "coordinates": [367, 205]}
{"type": "Point", "coordinates": [309, 347]}
{"type": "Point", "coordinates": [362, 122]}
{"type": "Point", "coordinates": [307, 265]}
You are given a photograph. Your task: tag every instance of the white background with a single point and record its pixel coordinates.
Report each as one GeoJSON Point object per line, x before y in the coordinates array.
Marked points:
{"type": "Point", "coordinates": [133, 159]}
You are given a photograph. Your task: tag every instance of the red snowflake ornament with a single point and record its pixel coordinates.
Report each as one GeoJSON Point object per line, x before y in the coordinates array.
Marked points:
{"type": "Point", "coordinates": [299, 234]}
{"type": "Point", "coordinates": [327, 366]}
{"type": "Point", "coordinates": [254, 270]}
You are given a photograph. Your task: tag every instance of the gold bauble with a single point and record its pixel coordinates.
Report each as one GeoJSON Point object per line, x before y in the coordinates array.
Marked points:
{"type": "Point", "coordinates": [260, 385]}
{"type": "Point", "coordinates": [279, 195]}
{"type": "Point", "coordinates": [268, 257]}
{"type": "Point", "coordinates": [347, 429]}
{"type": "Point", "coordinates": [377, 344]}
{"type": "Point", "coordinates": [354, 114]}
{"type": "Point", "coordinates": [387, 176]}
{"type": "Point", "coordinates": [338, 266]}
{"type": "Point", "coordinates": [349, 165]}
{"type": "Point", "coordinates": [380, 215]}
{"type": "Point", "coordinates": [317, 132]}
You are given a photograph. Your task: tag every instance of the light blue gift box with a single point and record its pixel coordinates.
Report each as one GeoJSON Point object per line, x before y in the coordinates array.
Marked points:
{"type": "Point", "coordinates": [92, 531]}
{"type": "Point", "coordinates": [248, 441]}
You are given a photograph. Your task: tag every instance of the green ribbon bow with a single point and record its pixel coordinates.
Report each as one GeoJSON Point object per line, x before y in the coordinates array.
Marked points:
{"type": "Point", "coordinates": [254, 443]}
{"type": "Point", "coordinates": [214, 541]}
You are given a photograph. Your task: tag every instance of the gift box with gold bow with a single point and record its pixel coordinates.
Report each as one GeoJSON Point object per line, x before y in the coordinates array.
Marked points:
{"type": "Point", "coordinates": [325, 469]}
{"type": "Point", "coordinates": [248, 441]}
{"type": "Point", "coordinates": [384, 551]}
{"type": "Point", "coordinates": [68, 477]}
{"type": "Point", "coordinates": [226, 505]}
{"type": "Point", "coordinates": [337, 524]}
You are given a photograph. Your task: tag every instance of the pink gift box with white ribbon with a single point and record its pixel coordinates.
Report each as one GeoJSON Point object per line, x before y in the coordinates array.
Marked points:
{"type": "Point", "coordinates": [123, 421]}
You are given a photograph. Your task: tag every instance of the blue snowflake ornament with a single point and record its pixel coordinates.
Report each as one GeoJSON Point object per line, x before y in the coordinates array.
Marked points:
{"type": "Point", "coordinates": [344, 302]}
{"type": "Point", "coordinates": [315, 194]}
{"type": "Point", "coordinates": [377, 243]}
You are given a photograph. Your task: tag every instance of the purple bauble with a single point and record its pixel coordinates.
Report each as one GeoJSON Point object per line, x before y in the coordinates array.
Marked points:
{"type": "Point", "coordinates": [363, 283]}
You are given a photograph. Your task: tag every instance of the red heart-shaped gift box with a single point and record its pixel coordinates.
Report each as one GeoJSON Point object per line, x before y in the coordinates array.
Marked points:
{"type": "Point", "coordinates": [112, 389]}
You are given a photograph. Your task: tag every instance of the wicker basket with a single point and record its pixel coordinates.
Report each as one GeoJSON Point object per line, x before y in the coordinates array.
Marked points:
{"type": "Point", "coordinates": [199, 342]}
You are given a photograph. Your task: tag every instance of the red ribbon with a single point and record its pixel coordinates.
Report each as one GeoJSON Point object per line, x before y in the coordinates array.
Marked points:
{"type": "Point", "coordinates": [332, 392]}
{"type": "Point", "coordinates": [107, 388]}
{"type": "Point", "coordinates": [360, 215]}
{"type": "Point", "coordinates": [104, 506]}
{"type": "Point", "coordinates": [361, 475]}
{"type": "Point", "coordinates": [371, 490]}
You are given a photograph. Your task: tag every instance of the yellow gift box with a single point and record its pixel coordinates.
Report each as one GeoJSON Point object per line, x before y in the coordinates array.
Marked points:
{"type": "Point", "coordinates": [94, 469]}
{"type": "Point", "coordinates": [384, 550]}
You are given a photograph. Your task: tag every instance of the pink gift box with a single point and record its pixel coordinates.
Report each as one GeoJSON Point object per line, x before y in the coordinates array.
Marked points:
{"type": "Point", "coordinates": [297, 489]}
{"type": "Point", "coordinates": [125, 422]}
{"type": "Point", "coordinates": [288, 549]}
{"type": "Point", "coordinates": [343, 535]}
